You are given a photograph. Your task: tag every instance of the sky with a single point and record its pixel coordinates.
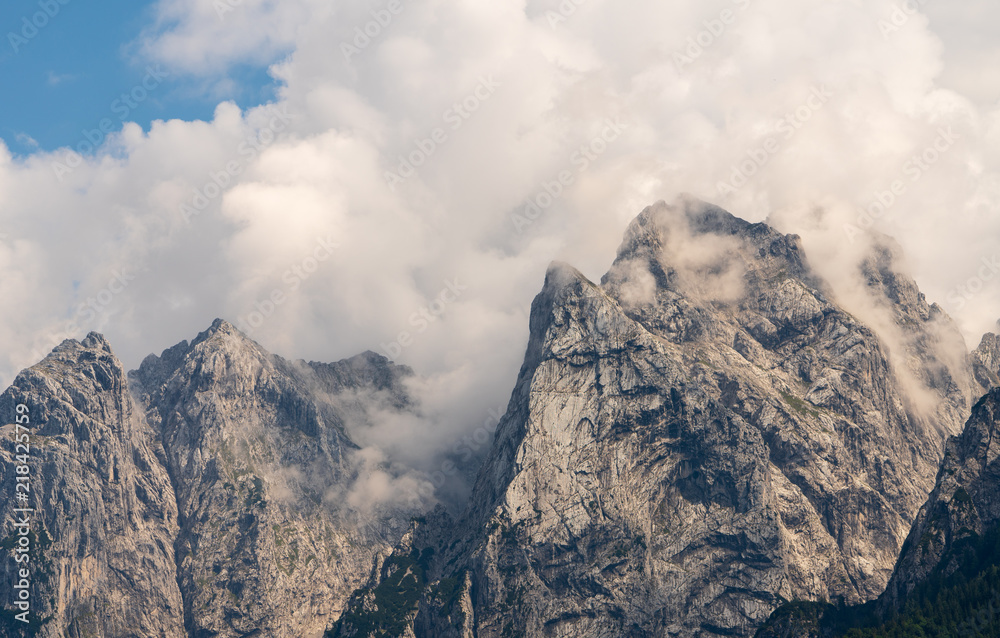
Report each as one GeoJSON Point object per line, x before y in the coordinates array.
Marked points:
{"type": "Point", "coordinates": [82, 66]}
{"type": "Point", "coordinates": [397, 175]}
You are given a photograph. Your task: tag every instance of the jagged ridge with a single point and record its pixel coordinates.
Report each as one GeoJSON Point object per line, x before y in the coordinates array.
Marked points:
{"type": "Point", "coordinates": [215, 508]}
{"type": "Point", "coordinates": [698, 439]}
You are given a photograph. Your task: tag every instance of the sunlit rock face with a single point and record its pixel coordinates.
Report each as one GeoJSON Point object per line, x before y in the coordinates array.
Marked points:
{"type": "Point", "coordinates": [103, 559]}
{"type": "Point", "coordinates": [964, 506]}
{"type": "Point", "coordinates": [203, 494]}
{"type": "Point", "coordinates": [698, 438]}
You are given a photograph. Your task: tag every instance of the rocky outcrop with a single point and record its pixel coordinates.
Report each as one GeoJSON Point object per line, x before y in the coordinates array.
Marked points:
{"type": "Point", "coordinates": [927, 351]}
{"type": "Point", "coordinates": [258, 454]}
{"type": "Point", "coordinates": [206, 494]}
{"type": "Point", "coordinates": [986, 361]}
{"type": "Point", "coordinates": [701, 437]}
{"type": "Point", "coordinates": [964, 506]}
{"type": "Point", "coordinates": [946, 579]}
{"type": "Point", "coordinates": [102, 561]}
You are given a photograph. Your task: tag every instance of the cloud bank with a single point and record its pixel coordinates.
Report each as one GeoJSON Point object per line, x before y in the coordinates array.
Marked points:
{"type": "Point", "coordinates": [426, 159]}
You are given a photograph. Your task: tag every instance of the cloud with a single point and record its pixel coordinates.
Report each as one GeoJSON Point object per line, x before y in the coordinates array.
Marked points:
{"type": "Point", "coordinates": [638, 287]}
{"type": "Point", "coordinates": [26, 140]}
{"type": "Point", "coordinates": [765, 107]}
{"type": "Point", "coordinates": [55, 79]}
{"type": "Point", "coordinates": [205, 37]}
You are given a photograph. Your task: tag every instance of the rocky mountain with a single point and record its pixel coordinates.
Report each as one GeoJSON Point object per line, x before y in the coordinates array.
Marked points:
{"type": "Point", "coordinates": [708, 433]}
{"type": "Point", "coordinates": [701, 437]}
{"type": "Point", "coordinates": [964, 506]}
{"type": "Point", "coordinates": [202, 495]}
{"type": "Point", "coordinates": [256, 448]}
{"type": "Point", "coordinates": [986, 361]}
{"type": "Point", "coordinates": [103, 553]}
{"type": "Point", "coordinates": [947, 579]}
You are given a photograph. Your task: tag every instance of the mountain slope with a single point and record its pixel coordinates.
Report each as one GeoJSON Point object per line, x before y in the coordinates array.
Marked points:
{"type": "Point", "coordinates": [986, 361]}
{"type": "Point", "coordinates": [258, 454]}
{"type": "Point", "coordinates": [700, 438]}
{"type": "Point", "coordinates": [965, 503]}
{"type": "Point", "coordinates": [947, 579]}
{"type": "Point", "coordinates": [206, 494]}
{"type": "Point", "coordinates": [106, 517]}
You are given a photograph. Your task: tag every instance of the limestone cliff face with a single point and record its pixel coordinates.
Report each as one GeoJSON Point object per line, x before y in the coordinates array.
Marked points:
{"type": "Point", "coordinates": [949, 555]}
{"type": "Point", "coordinates": [257, 449]}
{"type": "Point", "coordinates": [964, 506]}
{"type": "Point", "coordinates": [103, 559]}
{"type": "Point", "coordinates": [702, 436]}
{"type": "Point", "coordinates": [203, 495]}
{"type": "Point", "coordinates": [986, 361]}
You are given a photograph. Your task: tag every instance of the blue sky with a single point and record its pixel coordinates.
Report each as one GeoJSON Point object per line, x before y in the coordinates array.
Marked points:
{"type": "Point", "coordinates": [74, 71]}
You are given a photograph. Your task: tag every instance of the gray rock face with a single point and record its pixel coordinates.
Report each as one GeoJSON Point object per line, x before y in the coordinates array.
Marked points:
{"type": "Point", "coordinates": [965, 503]}
{"type": "Point", "coordinates": [202, 496]}
{"type": "Point", "coordinates": [986, 361]}
{"type": "Point", "coordinates": [701, 437]}
{"type": "Point", "coordinates": [256, 448]}
{"type": "Point", "coordinates": [103, 563]}
{"type": "Point", "coordinates": [927, 349]}
{"type": "Point", "coordinates": [948, 554]}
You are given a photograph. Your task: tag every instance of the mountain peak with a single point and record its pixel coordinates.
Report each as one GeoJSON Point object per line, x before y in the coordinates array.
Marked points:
{"type": "Point", "coordinates": [652, 226]}
{"type": "Point", "coordinates": [76, 377]}
{"type": "Point", "coordinates": [221, 336]}
{"type": "Point", "coordinates": [93, 341]}
{"type": "Point", "coordinates": [224, 335]}
{"type": "Point", "coordinates": [695, 253]}
{"type": "Point", "coordinates": [560, 274]}
{"type": "Point", "coordinates": [222, 327]}
{"type": "Point", "coordinates": [94, 350]}
{"type": "Point", "coordinates": [707, 218]}
{"type": "Point", "coordinates": [97, 341]}
{"type": "Point", "coordinates": [990, 343]}
{"type": "Point", "coordinates": [688, 231]}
